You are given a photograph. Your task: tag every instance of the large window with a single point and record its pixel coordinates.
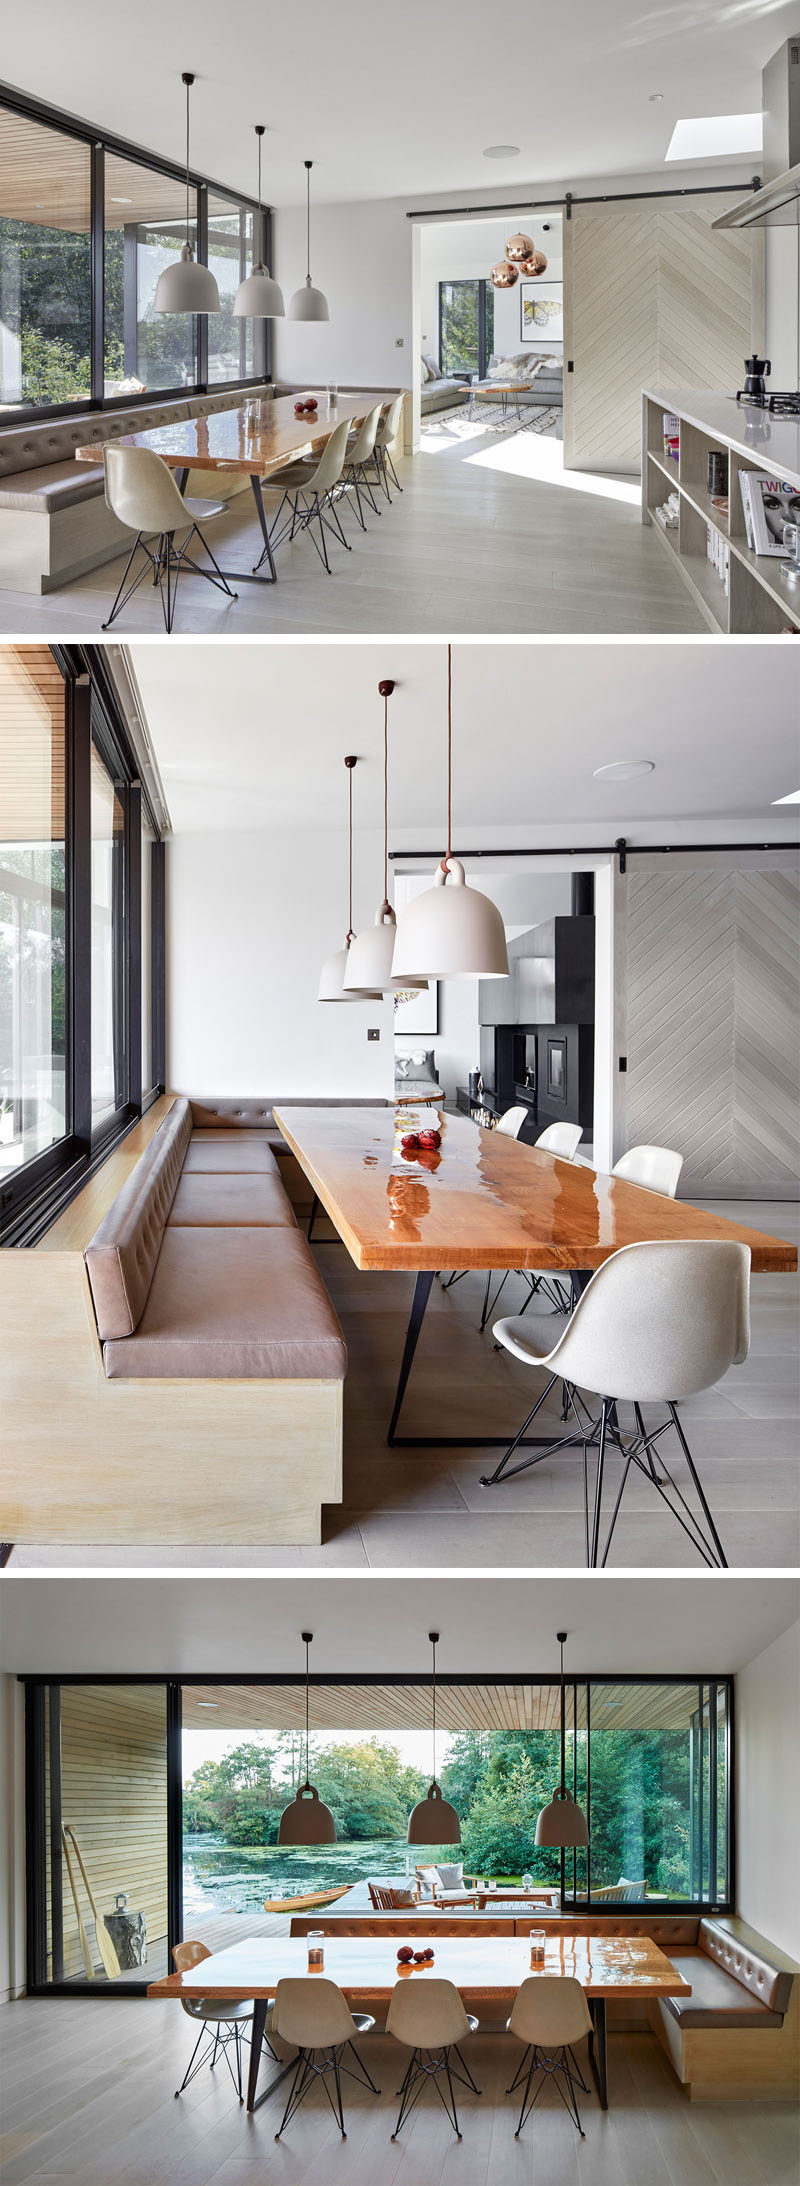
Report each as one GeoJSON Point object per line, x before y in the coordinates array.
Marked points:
{"type": "Point", "coordinates": [45, 266]}
{"type": "Point", "coordinates": [81, 927]}
{"type": "Point", "coordinates": [85, 230]}
{"type": "Point", "coordinates": [205, 1770]}
{"type": "Point", "coordinates": [33, 905]}
{"type": "Point", "coordinates": [466, 326]}
{"type": "Point", "coordinates": [230, 257]}
{"type": "Point", "coordinates": [144, 351]}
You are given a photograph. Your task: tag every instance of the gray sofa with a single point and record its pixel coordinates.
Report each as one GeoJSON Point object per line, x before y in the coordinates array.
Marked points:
{"type": "Point", "coordinates": [438, 393]}
{"type": "Point", "coordinates": [54, 524]}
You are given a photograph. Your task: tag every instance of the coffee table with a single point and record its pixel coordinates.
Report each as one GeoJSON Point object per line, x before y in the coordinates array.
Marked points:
{"type": "Point", "coordinates": [504, 388]}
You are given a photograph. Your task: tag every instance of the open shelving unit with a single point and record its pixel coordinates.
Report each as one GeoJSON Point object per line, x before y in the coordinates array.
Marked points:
{"type": "Point", "coordinates": [757, 603]}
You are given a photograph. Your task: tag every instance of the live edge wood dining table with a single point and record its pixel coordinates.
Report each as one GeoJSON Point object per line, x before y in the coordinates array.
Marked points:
{"type": "Point", "coordinates": [481, 1200]}
{"type": "Point", "coordinates": [485, 1970]}
{"type": "Point", "coordinates": [224, 443]}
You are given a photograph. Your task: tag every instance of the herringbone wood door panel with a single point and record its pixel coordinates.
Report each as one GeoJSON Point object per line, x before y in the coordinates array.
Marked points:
{"type": "Point", "coordinates": [713, 1008]}
{"type": "Point", "coordinates": [653, 297]}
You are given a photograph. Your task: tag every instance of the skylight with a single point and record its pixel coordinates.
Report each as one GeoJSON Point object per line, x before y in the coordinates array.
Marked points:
{"type": "Point", "coordinates": [715, 136]}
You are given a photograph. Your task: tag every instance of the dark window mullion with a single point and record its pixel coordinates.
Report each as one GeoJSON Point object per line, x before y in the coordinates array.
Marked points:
{"type": "Point", "coordinates": [174, 1815]}
{"type": "Point", "coordinates": [201, 322]}
{"type": "Point", "coordinates": [138, 1081]}
{"type": "Point", "coordinates": [158, 974]}
{"type": "Point", "coordinates": [81, 950]}
{"type": "Point", "coordinates": [98, 222]}
{"type": "Point", "coordinates": [35, 1836]}
{"type": "Point", "coordinates": [56, 1854]}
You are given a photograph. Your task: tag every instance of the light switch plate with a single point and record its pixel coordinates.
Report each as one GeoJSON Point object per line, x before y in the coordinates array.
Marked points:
{"type": "Point", "coordinates": [373, 1032]}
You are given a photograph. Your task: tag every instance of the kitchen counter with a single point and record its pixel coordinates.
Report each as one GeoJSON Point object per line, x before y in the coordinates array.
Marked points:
{"type": "Point", "coordinates": [772, 442]}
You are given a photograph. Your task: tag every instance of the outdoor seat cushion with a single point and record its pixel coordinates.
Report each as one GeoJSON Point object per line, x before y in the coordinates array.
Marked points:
{"type": "Point", "coordinates": [717, 2000]}
{"type": "Point", "coordinates": [51, 486]}
{"type": "Point", "coordinates": [235, 1304]}
{"type": "Point", "coordinates": [228, 1202]}
{"type": "Point", "coordinates": [224, 1156]}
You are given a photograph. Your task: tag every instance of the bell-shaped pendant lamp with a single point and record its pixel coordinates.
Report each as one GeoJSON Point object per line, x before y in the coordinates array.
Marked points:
{"type": "Point", "coordinates": [306, 1820]}
{"type": "Point", "coordinates": [562, 1823]}
{"type": "Point", "coordinates": [186, 286]}
{"type": "Point", "coordinates": [331, 980]}
{"type": "Point", "coordinates": [258, 297]}
{"type": "Point", "coordinates": [451, 931]}
{"type": "Point", "coordinates": [369, 964]}
{"type": "Point", "coordinates": [433, 1820]}
{"type": "Point", "coordinates": [308, 302]}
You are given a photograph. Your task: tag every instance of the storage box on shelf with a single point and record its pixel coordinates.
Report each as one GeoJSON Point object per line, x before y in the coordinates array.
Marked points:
{"type": "Point", "coordinates": [756, 600]}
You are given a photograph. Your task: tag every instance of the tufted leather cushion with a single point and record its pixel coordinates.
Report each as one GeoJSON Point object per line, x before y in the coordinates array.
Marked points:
{"type": "Point", "coordinates": [231, 1202]}
{"type": "Point", "coordinates": [769, 1983]}
{"type": "Point", "coordinates": [233, 1304]}
{"type": "Point", "coordinates": [219, 1155]}
{"type": "Point", "coordinates": [54, 440]}
{"type": "Point", "coordinates": [121, 1257]}
{"type": "Point", "coordinates": [51, 486]}
{"type": "Point", "coordinates": [243, 1115]}
{"type": "Point", "coordinates": [717, 1998]}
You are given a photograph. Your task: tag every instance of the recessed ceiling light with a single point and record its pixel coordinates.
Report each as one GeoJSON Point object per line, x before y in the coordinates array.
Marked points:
{"type": "Point", "coordinates": [715, 136]}
{"type": "Point", "coordinates": [208, 1703]}
{"type": "Point", "coordinates": [623, 770]}
{"type": "Point", "coordinates": [656, 98]}
{"type": "Point", "coordinates": [792, 798]}
{"type": "Point", "coordinates": [501, 151]}
{"type": "Point", "coordinates": [122, 200]}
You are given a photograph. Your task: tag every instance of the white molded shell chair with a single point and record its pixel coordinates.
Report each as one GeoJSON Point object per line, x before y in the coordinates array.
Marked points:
{"type": "Point", "coordinates": [549, 2014]}
{"type": "Point", "coordinates": [142, 492]}
{"type": "Point", "coordinates": [427, 2016]}
{"type": "Point", "coordinates": [657, 1323]}
{"type": "Point", "coordinates": [311, 2014]}
{"type": "Point", "coordinates": [385, 438]}
{"type": "Point", "coordinates": [657, 1168]}
{"type": "Point", "coordinates": [360, 452]}
{"type": "Point", "coordinates": [309, 488]}
{"type": "Point", "coordinates": [222, 2022]}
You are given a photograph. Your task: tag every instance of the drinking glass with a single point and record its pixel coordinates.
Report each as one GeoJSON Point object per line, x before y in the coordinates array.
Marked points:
{"type": "Point", "coordinates": [332, 394]}
{"type": "Point", "coordinates": [537, 1942]}
{"type": "Point", "coordinates": [316, 1950]}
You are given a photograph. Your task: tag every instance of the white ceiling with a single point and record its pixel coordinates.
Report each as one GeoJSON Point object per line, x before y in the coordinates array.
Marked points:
{"type": "Point", "coordinates": [495, 1626]}
{"type": "Point", "coordinates": [253, 736]}
{"type": "Point", "coordinates": [400, 101]}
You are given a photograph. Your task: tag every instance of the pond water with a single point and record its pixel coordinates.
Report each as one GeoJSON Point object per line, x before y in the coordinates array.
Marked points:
{"type": "Point", "coordinates": [237, 1878]}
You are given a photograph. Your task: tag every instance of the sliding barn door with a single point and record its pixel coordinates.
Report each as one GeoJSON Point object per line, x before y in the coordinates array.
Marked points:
{"type": "Point", "coordinates": [652, 298]}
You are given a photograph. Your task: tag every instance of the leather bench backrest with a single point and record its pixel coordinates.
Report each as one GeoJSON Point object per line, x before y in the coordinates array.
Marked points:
{"type": "Point", "coordinates": [771, 1984]}
{"type": "Point", "coordinates": [231, 1115]}
{"type": "Point", "coordinates": [26, 447]}
{"type": "Point", "coordinates": [122, 1254]}
{"type": "Point", "coordinates": [402, 1924]}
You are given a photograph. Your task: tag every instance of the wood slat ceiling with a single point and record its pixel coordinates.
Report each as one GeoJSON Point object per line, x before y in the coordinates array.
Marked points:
{"type": "Point", "coordinates": [487, 1707]}
{"type": "Point", "coordinates": [45, 179]}
{"type": "Point", "coordinates": [32, 746]}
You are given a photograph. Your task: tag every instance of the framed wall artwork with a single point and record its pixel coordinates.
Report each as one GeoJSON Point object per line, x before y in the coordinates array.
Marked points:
{"type": "Point", "coordinates": [417, 1015]}
{"type": "Point", "coordinates": [541, 309]}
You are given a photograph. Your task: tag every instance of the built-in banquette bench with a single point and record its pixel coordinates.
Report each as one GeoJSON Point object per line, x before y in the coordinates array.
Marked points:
{"type": "Point", "coordinates": [738, 2034]}
{"type": "Point", "coordinates": [172, 1367]}
{"type": "Point", "coordinates": [54, 523]}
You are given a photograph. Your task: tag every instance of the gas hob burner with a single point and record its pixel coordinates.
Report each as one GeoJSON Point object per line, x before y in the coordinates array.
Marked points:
{"type": "Point", "coordinates": [787, 405]}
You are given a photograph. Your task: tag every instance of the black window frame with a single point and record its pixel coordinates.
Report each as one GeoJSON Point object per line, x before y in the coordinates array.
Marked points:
{"type": "Point", "coordinates": [99, 143]}
{"type": "Point", "coordinates": [32, 1196]}
{"type": "Point", "coordinates": [470, 280]}
{"type": "Point", "coordinates": [43, 1693]}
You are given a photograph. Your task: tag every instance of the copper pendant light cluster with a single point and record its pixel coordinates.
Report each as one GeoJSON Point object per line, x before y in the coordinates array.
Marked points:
{"type": "Point", "coordinates": [521, 256]}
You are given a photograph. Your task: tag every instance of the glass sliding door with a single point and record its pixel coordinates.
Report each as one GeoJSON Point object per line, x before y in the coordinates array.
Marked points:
{"type": "Point", "coordinates": [102, 1833]}
{"type": "Point", "coordinates": [144, 351]}
{"type": "Point", "coordinates": [466, 326]}
{"type": "Point", "coordinates": [230, 258]}
{"type": "Point", "coordinates": [34, 897]}
{"type": "Point", "coordinates": [109, 1045]}
{"type": "Point", "coordinates": [658, 1793]}
{"type": "Point", "coordinates": [45, 267]}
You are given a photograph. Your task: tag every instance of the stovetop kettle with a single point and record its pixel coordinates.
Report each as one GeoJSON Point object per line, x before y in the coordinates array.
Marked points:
{"type": "Point", "coordinates": [757, 370]}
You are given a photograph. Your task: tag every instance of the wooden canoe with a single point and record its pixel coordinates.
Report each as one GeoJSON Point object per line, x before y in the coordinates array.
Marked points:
{"type": "Point", "coordinates": [309, 1903]}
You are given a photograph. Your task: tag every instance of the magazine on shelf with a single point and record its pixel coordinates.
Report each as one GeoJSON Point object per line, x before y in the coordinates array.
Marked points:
{"type": "Point", "coordinates": [768, 504]}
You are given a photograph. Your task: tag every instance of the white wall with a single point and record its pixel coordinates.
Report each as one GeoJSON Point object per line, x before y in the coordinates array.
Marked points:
{"type": "Point", "coordinates": [782, 279]}
{"type": "Point", "coordinates": [12, 1839]}
{"type": "Point", "coordinates": [361, 258]}
{"type": "Point", "coordinates": [768, 1799]}
{"type": "Point", "coordinates": [250, 918]}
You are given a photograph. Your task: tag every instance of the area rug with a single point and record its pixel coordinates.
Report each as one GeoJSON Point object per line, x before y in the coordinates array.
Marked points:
{"type": "Point", "coordinates": [487, 417]}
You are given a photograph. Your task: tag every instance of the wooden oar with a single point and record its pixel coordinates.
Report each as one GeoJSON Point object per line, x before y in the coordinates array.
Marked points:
{"type": "Point", "coordinates": [88, 1962]}
{"type": "Point", "coordinates": [104, 1943]}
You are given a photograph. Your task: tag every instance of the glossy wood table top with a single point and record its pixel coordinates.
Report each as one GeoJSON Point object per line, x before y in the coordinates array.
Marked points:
{"type": "Point", "coordinates": [491, 1966]}
{"type": "Point", "coordinates": [482, 1200]}
{"type": "Point", "coordinates": [221, 442]}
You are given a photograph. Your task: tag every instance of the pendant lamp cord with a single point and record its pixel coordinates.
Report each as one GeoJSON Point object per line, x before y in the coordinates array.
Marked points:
{"type": "Point", "coordinates": [305, 1786]}
{"type": "Point", "coordinates": [386, 802]}
{"type": "Point", "coordinates": [308, 219]}
{"type": "Point", "coordinates": [563, 1728]}
{"type": "Point", "coordinates": [434, 1710]}
{"type": "Point", "coordinates": [350, 934]}
{"type": "Point", "coordinates": [449, 850]}
{"type": "Point", "coordinates": [188, 88]}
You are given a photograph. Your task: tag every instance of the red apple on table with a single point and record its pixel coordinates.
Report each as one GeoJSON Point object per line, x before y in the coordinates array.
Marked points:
{"type": "Point", "coordinates": [404, 1955]}
{"type": "Point", "coordinates": [410, 1142]}
{"type": "Point", "coordinates": [430, 1139]}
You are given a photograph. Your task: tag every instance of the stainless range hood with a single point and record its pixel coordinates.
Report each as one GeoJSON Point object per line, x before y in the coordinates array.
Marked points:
{"type": "Point", "coordinates": [777, 202]}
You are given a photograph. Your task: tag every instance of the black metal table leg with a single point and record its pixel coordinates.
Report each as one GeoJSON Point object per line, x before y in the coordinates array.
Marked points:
{"type": "Point", "coordinates": [422, 1291]}
{"type": "Point", "coordinates": [6, 1550]}
{"type": "Point", "coordinates": [245, 576]}
{"type": "Point", "coordinates": [598, 2053]}
{"type": "Point", "coordinates": [254, 2100]}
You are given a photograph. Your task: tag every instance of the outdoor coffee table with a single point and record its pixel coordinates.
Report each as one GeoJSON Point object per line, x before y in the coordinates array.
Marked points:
{"type": "Point", "coordinates": [483, 1898]}
{"type": "Point", "coordinates": [486, 1970]}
